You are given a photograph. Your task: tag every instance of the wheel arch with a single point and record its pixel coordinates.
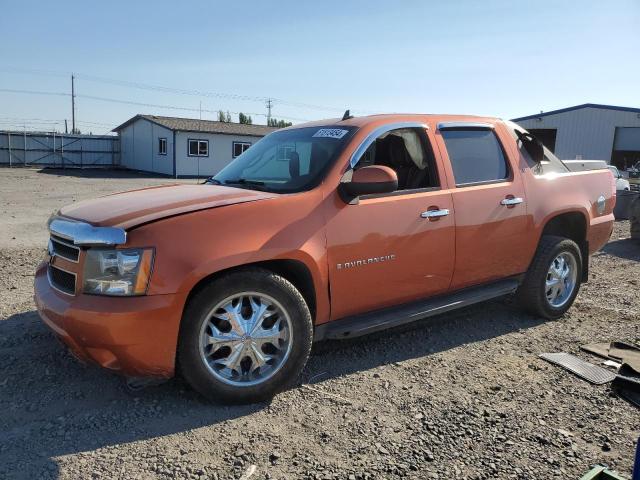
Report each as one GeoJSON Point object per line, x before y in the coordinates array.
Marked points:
{"type": "Point", "coordinates": [571, 225]}
{"type": "Point", "coordinates": [295, 271]}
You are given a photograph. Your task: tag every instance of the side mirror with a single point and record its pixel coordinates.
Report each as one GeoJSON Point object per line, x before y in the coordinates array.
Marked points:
{"type": "Point", "coordinates": [367, 180]}
{"type": "Point", "coordinates": [532, 145]}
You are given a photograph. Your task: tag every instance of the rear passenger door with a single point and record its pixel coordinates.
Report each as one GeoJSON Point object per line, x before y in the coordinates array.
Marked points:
{"type": "Point", "coordinates": [489, 201]}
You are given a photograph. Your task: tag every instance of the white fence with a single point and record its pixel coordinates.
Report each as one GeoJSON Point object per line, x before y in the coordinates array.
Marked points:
{"type": "Point", "coordinates": [58, 150]}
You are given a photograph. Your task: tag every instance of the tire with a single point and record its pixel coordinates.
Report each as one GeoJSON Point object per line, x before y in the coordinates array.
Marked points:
{"type": "Point", "coordinates": [533, 293]}
{"type": "Point", "coordinates": [221, 373]}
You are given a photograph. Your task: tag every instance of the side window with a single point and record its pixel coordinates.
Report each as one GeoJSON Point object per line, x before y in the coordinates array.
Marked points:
{"type": "Point", "coordinates": [408, 152]}
{"type": "Point", "coordinates": [162, 146]}
{"type": "Point", "coordinates": [239, 148]}
{"type": "Point", "coordinates": [476, 155]}
{"type": "Point", "coordinates": [198, 148]}
{"type": "Point", "coordinates": [550, 164]}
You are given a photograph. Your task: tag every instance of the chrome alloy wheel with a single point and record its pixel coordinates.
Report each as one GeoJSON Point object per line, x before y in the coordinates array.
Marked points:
{"type": "Point", "coordinates": [245, 339]}
{"type": "Point", "coordinates": [561, 279]}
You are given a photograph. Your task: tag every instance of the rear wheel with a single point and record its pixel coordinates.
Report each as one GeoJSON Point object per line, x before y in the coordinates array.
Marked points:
{"type": "Point", "coordinates": [244, 337]}
{"type": "Point", "coordinates": [553, 279]}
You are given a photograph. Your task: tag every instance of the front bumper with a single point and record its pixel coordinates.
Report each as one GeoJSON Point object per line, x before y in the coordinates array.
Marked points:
{"type": "Point", "coordinates": [135, 336]}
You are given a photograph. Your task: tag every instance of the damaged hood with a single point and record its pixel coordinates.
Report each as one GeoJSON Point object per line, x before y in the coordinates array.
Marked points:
{"type": "Point", "coordinates": [129, 209]}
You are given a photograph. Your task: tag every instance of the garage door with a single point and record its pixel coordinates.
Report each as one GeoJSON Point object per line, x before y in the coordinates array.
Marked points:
{"type": "Point", "coordinates": [626, 147]}
{"type": "Point", "coordinates": [627, 138]}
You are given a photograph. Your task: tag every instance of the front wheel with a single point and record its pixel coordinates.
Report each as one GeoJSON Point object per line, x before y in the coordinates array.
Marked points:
{"type": "Point", "coordinates": [553, 279]}
{"type": "Point", "coordinates": [244, 337]}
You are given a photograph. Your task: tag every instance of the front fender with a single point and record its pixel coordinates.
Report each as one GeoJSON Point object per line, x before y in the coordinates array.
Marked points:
{"type": "Point", "coordinates": [192, 247]}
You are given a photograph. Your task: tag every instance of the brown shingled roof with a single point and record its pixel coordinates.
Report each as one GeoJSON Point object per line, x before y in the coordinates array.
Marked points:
{"type": "Point", "coordinates": [208, 126]}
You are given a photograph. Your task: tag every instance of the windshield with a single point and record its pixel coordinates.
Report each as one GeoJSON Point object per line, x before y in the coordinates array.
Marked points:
{"type": "Point", "coordinates": [286, 161]}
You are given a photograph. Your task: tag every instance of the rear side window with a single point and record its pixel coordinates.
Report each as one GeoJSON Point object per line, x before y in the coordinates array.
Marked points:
{"type": "Point", "coordinates": [550, 164]}
{"type": "Point", "coordinates": [475, 155]}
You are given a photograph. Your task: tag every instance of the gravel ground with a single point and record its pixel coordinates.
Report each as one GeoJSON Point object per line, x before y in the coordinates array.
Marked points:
{"type": "Point", "coordinates": [458, 396]}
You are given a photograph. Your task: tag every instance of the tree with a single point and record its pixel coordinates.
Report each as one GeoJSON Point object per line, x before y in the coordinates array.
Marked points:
{"type": "Point", "coordinates": [273, 122]}
{"type": "Point", "coordinates": [224, 117]}
{"type": "Point", "coordinates": [245, 119]}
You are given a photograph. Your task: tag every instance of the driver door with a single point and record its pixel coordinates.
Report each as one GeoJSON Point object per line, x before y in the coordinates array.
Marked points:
{"type": "Point", "coordinates": [389, 249]}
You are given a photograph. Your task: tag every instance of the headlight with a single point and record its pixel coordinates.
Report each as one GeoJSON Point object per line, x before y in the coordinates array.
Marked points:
{"type": "Point", "coordinates": [117, 272]}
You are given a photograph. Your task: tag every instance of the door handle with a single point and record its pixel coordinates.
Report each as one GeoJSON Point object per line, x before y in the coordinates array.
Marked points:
{"type": "Point", "coordinates": [435, 213]}
{"type": "Point", "coordinates": [511, 201]}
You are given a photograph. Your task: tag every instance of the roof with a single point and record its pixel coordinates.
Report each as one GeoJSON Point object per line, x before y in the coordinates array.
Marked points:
{"type": "Point", "coordinates": [384, 118]}
{"type": "Point", "coordinates": [195, 125]}
{"type": "Point", "coordinates": [578, 107]}
{"type": "Point", "coordinates": [207, 126]}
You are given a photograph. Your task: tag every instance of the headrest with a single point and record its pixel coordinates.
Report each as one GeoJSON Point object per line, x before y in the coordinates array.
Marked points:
{"type": "Point", "coordinates": [294, 164]}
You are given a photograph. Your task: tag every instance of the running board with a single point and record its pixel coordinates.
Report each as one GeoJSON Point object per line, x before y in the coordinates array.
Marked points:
{"type": "Point", "coordinates": [366, 323]}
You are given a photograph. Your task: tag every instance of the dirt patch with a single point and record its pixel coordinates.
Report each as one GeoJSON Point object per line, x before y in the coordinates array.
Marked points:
{"type": "Point", "coordinates": [457, 396]}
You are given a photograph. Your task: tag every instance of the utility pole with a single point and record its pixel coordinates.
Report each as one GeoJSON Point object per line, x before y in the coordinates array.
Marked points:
{"type": "Point", "coordinates": [269, 105]}
{"type": "Point", "coordinates": [73, 106]}
{"type": "Point", "coordinates": [65, 126]}
{"type": "Point", "coordinates": [200, 127]}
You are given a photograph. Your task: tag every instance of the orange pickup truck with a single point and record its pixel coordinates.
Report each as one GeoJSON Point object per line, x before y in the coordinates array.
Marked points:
{"type": "Point", "coordinates": [329, 229]}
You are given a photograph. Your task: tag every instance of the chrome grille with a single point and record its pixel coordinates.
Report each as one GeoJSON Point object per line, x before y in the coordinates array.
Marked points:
{"type": "Point", "coordinates": [62, 280]}
{"type": "Point", "coordinates": [63, 248]}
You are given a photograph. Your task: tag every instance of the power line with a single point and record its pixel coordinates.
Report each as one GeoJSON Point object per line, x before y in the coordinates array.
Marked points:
{"type": "Point", "coordinates": [197, 93]}
{"type": "Point", "coordinates": [84, 122]}
{"type": "Point", "coordinates": [201, 93]}
{"type": "Point", "coordinates": [28, 119]}
{"type": "Point", "coordinates": [127, 102]}
{"type": "Point", "coordinates": [172, 107]}
{"type": "Point", "coordinates": [21, 121]}
{"type": "Point", "coordinates": [34, 92]}
{"type": "Point", "coordinates": [47, 121]}
{"type": "Point", "coordinates": [269, 101]}
{"type": "Point", "coordinates": [34, 71]}
{"type": "Point", "coordinates": [152, 105]}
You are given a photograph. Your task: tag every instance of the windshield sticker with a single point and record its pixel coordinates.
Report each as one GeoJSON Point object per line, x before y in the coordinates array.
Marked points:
{"type": "Point", "coordinates": [331, 133]}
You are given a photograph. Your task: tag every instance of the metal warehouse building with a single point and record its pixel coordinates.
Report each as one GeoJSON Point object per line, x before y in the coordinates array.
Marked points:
{"type": "Point", "coordinates": [183, 147]}
{"type": "Point", "coordinates": [589, 132]}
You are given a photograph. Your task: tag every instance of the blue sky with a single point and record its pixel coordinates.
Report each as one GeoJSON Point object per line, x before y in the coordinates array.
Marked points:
{"type": "Point", "coordinates": [499, 58]}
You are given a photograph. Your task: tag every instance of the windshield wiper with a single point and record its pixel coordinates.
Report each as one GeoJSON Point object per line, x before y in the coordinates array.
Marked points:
{"type": "Point", "coordinates": [246, 183]}
{"type": "Point", "coordinates": [243, 181]}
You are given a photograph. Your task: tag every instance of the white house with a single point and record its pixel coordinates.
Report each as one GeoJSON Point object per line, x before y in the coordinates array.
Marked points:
{"type": "Point", "coordinates": [589, 132]}
{"type": "Point", "coordinates": [183, 147]}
